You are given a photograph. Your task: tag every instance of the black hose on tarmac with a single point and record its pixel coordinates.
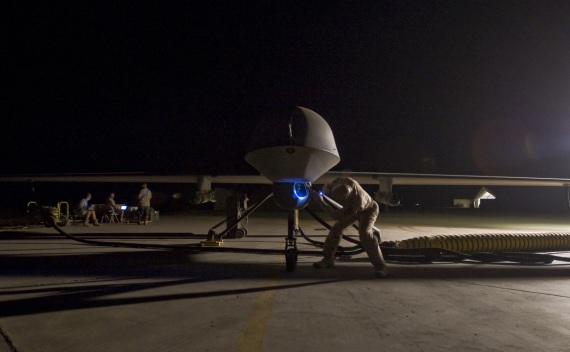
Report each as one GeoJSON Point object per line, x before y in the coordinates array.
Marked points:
{"type": "Point", "coordinates": [185, 247]}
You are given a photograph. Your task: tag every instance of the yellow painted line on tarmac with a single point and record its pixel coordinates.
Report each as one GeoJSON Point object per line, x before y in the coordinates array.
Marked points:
{"type": "Point", "coordinates": [257, 324]}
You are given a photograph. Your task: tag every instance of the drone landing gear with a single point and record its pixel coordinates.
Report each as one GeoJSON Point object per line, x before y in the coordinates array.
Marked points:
{"type": "Point", "coordinates": [236, 221]}
{"type": "Point", "coordinates": [291, 252]}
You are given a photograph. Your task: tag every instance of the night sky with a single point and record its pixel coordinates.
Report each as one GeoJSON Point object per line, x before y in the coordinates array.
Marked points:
{"type": "Point", "coordinates": [460, 87]}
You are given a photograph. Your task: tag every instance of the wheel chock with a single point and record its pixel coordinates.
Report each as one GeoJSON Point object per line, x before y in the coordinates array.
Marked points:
{"type": "Point", "coordinates": [212, 243]}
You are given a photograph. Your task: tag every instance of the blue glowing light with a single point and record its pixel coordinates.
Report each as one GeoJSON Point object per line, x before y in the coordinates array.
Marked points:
{"type": "Point", "coordinates": [300, 192]}
{"type": "Point", "coordinates": [291, 195]}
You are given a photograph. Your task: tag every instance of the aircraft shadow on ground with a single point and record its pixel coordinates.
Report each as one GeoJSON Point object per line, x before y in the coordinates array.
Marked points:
{"type": "Point", "coordinates": [114, 273]}
{"type": "Point", "coordinates": [101, 275]}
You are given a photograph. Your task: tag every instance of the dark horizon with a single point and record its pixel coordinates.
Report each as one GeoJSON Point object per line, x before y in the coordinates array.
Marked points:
{"type": "Point", "coordinates": [446, 87]}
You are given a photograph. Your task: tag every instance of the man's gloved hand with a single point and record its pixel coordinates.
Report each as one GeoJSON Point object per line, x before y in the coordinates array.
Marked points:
{"type": "Point", "coordinates": [316, 195]}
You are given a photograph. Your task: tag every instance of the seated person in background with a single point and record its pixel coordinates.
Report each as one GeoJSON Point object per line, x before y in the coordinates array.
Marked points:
{"type": "Point", "coordinates": [116, 207]}
{"type": "Point", "coordinates": [83, 209]}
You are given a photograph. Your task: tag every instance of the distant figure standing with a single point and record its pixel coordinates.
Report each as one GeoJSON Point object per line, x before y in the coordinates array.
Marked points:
{"type": "Point", "coordinates": [83, 209]}
{"type": "Point", "coordinates": [116, 207]}
{"type": "Point", "coordinates": [144, 197]}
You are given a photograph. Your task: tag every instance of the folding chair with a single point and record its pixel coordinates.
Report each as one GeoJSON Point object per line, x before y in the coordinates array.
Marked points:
{"type": "Point", "coordinates": [110, 215]}
{"type": "Point", "coordinates": [76, 218]}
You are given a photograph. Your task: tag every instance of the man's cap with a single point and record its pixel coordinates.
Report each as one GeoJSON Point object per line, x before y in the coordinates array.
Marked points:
{"type": "Point", "coordinates": [340, 192]}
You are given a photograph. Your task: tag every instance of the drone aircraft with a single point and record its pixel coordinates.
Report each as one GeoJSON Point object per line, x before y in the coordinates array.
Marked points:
{"type": "Point", "coordinates": [296, 150]}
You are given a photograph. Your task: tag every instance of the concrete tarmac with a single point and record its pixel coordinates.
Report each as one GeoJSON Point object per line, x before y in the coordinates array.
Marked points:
{"type": "Point", "coordinates": [61, 295]}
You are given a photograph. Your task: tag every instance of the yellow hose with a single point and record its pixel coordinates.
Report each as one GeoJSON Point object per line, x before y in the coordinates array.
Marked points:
{"type": "Point", "coordinates": [501, 242]}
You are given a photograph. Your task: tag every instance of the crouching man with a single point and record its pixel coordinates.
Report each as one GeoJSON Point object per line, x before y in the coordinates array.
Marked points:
{"type": "Point", "coordinates": [357, 206]}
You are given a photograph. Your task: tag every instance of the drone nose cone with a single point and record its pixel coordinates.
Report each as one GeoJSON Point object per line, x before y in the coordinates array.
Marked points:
{"type": "Point", "coordinates": [295, 146]}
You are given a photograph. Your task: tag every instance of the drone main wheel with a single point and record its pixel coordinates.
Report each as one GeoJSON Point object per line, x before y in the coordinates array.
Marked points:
{"type": "Point", "coordinates": [291, 259]}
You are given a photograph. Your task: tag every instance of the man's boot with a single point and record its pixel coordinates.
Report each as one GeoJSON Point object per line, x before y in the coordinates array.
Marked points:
{"type": "Point", "coordinates": [382, 272]}
{"type": "Point", "coordinates": [324, 264]}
